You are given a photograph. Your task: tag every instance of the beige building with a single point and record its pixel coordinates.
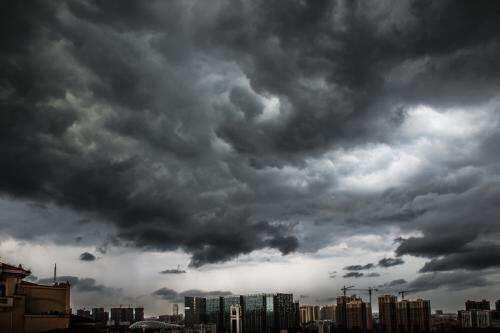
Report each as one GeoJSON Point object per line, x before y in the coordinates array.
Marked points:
{"type": "Point", "coordinates": [351, 313]}
{"type": "Point", "coordinates": [308, 313]}
{"type": "Point", "coordinates": [27, 307]}
{"type": "Point", "coordinates": [359, 315]}
{"type": "Point", "coordinates": [387, 313]}
{"type": "Point", "coordinates": [413, 315]}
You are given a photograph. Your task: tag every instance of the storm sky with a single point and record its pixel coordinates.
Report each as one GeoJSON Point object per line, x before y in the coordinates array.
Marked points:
{"type": "Point", "coordinates": [156, 149]}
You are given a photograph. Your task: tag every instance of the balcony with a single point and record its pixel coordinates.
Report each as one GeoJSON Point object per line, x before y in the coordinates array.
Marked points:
{"type": "Point", "coordinates": [6, 302]}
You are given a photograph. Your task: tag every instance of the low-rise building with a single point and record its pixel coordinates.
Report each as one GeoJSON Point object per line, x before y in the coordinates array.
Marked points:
{"type": "Point", "coordinates": [27, 307]}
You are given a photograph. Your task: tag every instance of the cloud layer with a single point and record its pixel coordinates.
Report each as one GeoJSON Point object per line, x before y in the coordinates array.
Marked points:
{"type": "Point", "coordinates": [224, 128]}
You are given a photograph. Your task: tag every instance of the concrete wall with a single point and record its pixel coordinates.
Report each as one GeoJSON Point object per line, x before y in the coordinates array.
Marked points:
{"type": "Point", "coordinates": [43, 323]}
{"type": "Point", "coordinates": [46, 299]}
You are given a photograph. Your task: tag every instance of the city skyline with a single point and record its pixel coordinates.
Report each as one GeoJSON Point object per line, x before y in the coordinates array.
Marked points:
{"type": "Point", "coordinates": [156, 150]}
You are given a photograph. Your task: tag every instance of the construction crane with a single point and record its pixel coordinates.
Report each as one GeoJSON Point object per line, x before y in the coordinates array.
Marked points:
{"type": "Point", "coordinates": [345, 289]}
{"type": "Point", "coordinates": [403, 292]}
{"type": "Point", "coordinates": [370, 290]}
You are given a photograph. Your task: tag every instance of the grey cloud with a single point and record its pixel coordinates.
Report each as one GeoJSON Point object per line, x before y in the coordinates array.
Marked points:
{"type": "Point", "coordinates": [374, 274]}
{"type": "Point", "coordinates": [391, 284]}
{"type": "Point", "coordinates": [147, 117]}
{"type": "Point", "coordinates": [86, 256]}
{"type": "Point", "coordinates": [359, 267]}
{"type": "Point", "coordinates": [174, 296]}
{"type": "Point", "coordinates": [456, 280]}
{"type": "Point", "coordinates": [353, 275]}
{"type": "Point", "coordinates": [470, 258]}
{"type": "Point", "coordinates": [83, 285]}
{"type": "Point", "coordinates": [449, 280]}
{"type": "Point", "coordinates": [173, 271]}
{"type": "Point", "coordinates": [389, 262]}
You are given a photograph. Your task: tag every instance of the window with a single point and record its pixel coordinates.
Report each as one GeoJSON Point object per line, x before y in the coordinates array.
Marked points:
{"type": "Point", "coordinates": [2, 289]}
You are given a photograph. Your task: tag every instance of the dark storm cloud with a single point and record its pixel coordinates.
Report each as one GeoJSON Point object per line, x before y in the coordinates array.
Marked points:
{"type": "Point", "coordinates": [359, 267]}
{"type": "Point", "coordinates": [174, 296]}
{"type": "Point", "coordinates": [82, 285]}
{"type": "Point", "coordinates": [353, 275]}
{"type": "Point", "coordinates": [391, 284]}
{"type": "Point", "coordinates": [471, 258]}
{"type": "Point", "coordinates": [155, 119]}
{"type": "Point", "coordinates": [449, 280]}
{"type": "Point", "coordinates": [173, 271]}
{"type": "Point", "coordinates": [457, 280]}
{"type": "Point", "coordinates": [86, 256]}
{"type": "Point", "coordinates": [374, 274]}
{"type": "Point", "coordinates": [389, 262]}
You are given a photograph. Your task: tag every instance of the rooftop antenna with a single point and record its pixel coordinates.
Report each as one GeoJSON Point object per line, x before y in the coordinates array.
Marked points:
{"type": "Point", "coordinates": [55, 272]}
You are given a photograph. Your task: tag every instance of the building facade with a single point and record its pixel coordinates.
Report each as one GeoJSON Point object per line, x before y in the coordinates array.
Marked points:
{"type": "Point", "coordinates": [215, 312]}
{"type": "Point", "coordinates": [413, 315]}
{"type": "Point", "coordinates": [229, 301]}
{"type": "Point", "coordinates": [327, 312]}
{"type": "Point", "coordinates": [194, 311]}
{"type": "Point", "coordinates": [474, 318]}
{"type": "Point", "coordinates": [100, 315]}
{"type": "Point", "coordinates": [387, 313]}
{"type": "Point", "coordinates": [352, 314]}
{"type": "Point", "coordinates": [138, 314]}
{"type": "Point", "coordinates": [477, 305]}
{"type": "Point", "coordinates": [255, 313]}
{"type": "Point", "coordinates": [309, 313]}
{"type": "Point", "coordinates": [30, 307]}
{"type": "Point", "coordinates": [359, 315]}
{"type": "Point", "coordinates": [235, 318]}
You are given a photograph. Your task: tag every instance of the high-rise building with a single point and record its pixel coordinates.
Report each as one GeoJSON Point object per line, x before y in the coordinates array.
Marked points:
{"type": "Point", "coordinates": [127, 315]}
{"type": "Point", "coordinates": [269, 313]}
{"type": "Point", "coordinates": [284, 313]}
{"type": "Point", "coordinates": [194, 310]}
{"type": "Point", "coordinates": [99, 315]}
{"type": "Point", "coordinates": [359, 315]}
{"type": "Point", "coordinates": [341, 312]}
{"type": "Point", "coordinates": [474, 318]}
{"type": "Point", "coordinates": [83, 313]}
{"type": "Point", "coordinates": [227, 302]}
{"type": "Point", "coordinates": [255, 313]}
{"type": "Point", "coordinates": [387, 313]}
{"type": "Point", "coordinates": [175, 309]}
{"type": "Point", "coordinates": [497, 305]}
{"type": "Point", "coordinates": [477, 305]}
{"type": "Point", "coordinates": [351, 313]}
{"type": "Point", "coordinates": [296, 316]}
{"type": "Point", "coordinates": [138, 314]}
{"type": "Point", "coordinates": [327, 312]}
{"type": "Point", "coordinates": [235, 318]}
{"type": "Point", "coordinates": [309, 313]}
{"type": "Point", "coordinates": [413, 315]}
{"type": "Point", "coordinates": [214, 312]}
{"type": "Point", "coordinates": [122, 316]}
{"type": "Point", "coordinates": [325, 326]}
{"type": "Point", "coordinates": [116, 315]}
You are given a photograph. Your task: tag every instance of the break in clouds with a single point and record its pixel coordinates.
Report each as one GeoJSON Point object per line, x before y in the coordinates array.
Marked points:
{"type": "Point", "coordinates": [220, 128]}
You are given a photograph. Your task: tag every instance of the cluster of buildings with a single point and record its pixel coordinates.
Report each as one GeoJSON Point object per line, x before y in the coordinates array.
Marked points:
{"type": "Point", "coordinates": [27, 307]}
{"type": "Point", "coordinates": [478, 314]}
{"type": "Point", "coordinates": [279, 313]}
{"type": "Point", "coordinates": [352, 314]}
{"type": "Point", "coordinates": [122, 316]}
{"type": "Point", "coordinates": [242, 313]}
{"type": "Point", "coordinates": [404, 315]}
